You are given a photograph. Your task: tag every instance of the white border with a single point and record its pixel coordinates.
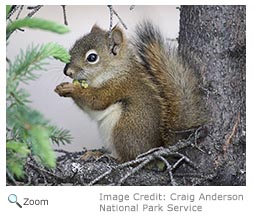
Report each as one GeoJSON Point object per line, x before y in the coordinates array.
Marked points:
{"type": "Point", "coordinates": [83, 201]}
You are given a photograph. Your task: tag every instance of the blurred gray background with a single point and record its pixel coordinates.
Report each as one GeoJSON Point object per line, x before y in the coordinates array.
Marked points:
{"type": "Point", "coordinates": [62, 111]}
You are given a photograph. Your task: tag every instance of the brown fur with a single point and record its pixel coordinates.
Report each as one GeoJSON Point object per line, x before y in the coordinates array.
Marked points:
{"type": "Point", "coordinates": [157, 95]}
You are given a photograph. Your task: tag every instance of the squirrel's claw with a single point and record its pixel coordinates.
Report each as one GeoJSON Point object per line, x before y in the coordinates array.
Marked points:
{"type": "Point", "coordinates": [65, 89]}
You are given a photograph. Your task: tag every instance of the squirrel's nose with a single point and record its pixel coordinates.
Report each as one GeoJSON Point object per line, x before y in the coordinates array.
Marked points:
{"type": "Point", "coordinates": [68, 71]}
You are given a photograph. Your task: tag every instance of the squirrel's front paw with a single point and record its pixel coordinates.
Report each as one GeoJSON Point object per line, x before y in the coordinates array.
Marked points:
{"type": "Point", "coordinates": [65, 89]}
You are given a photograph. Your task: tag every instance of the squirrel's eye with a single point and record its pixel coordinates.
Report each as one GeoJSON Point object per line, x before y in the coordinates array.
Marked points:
{"type": "Point", "coordinates": [92, 56]}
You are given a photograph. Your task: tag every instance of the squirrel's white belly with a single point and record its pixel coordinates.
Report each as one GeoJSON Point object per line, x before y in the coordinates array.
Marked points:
{"type": "Point", "coordinates": [106, 120]}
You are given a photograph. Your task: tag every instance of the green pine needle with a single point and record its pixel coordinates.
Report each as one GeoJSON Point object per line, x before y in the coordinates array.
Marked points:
{"type": "Point", "coordinates": [28, 132]}
{"type": "Point", "coordinates": [55, 50]}
{"type": "Point", "coordinates": [36, 23]}
{"type": "Point", "coordinates": [41, 146]}
{"type": "Point", "coordinates": [17, 153]}
{"type": "Point", "coordinates": [8, 8]}
{"type": "Point", "coordinates": [60, 136]}
{"type": "Point", "coordinates": [18, 147]}
{"type": "Point", "coordinates": [33, 59]}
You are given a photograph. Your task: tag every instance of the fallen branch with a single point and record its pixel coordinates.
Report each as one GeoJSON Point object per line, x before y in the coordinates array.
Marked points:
{"type": "Point", "coordinates": [71, 169]}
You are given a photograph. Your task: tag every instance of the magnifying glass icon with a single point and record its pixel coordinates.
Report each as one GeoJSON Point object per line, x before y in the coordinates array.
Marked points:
{"type": "Point", "coordinates": [13, 199]}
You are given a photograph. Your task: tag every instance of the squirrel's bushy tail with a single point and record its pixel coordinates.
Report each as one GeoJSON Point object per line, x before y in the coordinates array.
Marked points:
{"type": "Point", "coordinates": [176, 86]}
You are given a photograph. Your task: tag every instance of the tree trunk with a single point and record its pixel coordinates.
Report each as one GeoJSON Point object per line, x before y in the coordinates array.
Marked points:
{"type": "Point", "coordinates": [212, 40]}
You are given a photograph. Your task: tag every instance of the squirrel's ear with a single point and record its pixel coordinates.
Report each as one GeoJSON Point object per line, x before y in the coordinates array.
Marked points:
{"type": "Point", "coordinates": [117, 40]}
{"type": "Point", "coordinates": [95, 29]}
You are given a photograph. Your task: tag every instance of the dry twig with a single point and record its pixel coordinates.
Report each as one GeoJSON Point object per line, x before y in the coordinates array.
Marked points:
{"type": "Point", "coordinates": [148, 157]}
